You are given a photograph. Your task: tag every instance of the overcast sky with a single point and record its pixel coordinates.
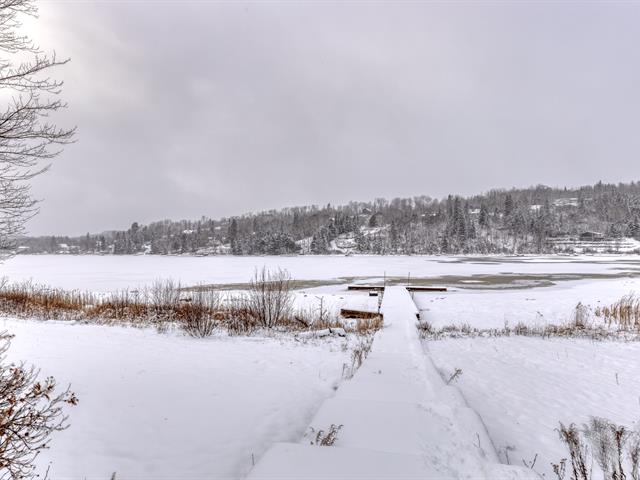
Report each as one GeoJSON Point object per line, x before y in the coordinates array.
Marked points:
{"type": "Point", "coordinates": [187, 109]}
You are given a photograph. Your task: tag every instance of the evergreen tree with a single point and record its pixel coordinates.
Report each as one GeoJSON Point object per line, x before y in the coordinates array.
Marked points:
{"type": "Point", "coordinates": [483, 219]}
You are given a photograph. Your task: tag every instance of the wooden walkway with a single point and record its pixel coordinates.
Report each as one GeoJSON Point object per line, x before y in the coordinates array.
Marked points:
{"type": "Point", "coordinates": [399, 420]}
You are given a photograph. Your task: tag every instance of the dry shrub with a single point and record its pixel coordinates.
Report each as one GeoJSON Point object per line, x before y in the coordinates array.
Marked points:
{"type": "Point", "coordinates": [581, 316]}
{"type": "Point", "coordinates": [570, 436]}
{"type": "Point", "coordinates": [30, 411]}
{"type": "Point", "coordinates": [326, 439]}
{"type": "Point", "coordinates": [197, 315]}
{"type": "Point", "coordinates": [425, 329]}
{"type": "Point", "coordinates": [270, 296]}
{"type": "Point", "coordinates": [163, 295]}
{"type": "Point", "coordinates": [238, 318]}
{"type": "Point", "coordinates": [612, 447]}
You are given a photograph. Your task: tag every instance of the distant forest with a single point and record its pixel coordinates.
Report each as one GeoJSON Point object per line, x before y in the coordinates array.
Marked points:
{"type": "Point", "coordinates": [530, 220]}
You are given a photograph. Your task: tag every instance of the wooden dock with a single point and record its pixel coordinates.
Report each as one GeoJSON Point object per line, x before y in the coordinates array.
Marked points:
{"type": "Point", "coordinates": [349, 313]}
{"type": "Point", "coordinates": [411, 288]}
{"type": "Point", "coordinates": [377, 288]}
{"type": "Point", "coordinates": [424, 288]}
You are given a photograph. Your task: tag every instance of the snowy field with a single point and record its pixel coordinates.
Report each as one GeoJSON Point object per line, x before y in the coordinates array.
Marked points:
{"type": "Point", "coordinates": [522, 387]}
{"type": "Point", "coordinates": [167, 406]}
{"type": "Point", "coordinates": [533, 306]}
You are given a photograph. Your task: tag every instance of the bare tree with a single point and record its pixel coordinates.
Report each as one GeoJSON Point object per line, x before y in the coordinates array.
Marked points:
{"type": "Point", "coordinates": [30, 411]}
{"type": "Point", "coordinates": [31, 408]}
{"type": "Point", "coordinates": [28, 139]}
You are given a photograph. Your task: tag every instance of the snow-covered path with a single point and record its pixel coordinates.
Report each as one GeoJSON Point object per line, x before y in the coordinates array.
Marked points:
{"type": "Point", "coordinates": [399, 419]}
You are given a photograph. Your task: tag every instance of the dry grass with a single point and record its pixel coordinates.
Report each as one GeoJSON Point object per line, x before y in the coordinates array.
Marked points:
{"type": "Point", "coordinates": [619, 321]}
{"type": "Point", "coordinates": [29, 300]}
{"type": "Point", "coordinates": [521, 329]}
{"type": "Point", "coordinates": [358, 356]}
{"type": "Point", "coordinates": [199, 312]}
{"type": "Point", "coordinates": [624, 314]}
{"type": "Point", "coordinates": [369, 326]}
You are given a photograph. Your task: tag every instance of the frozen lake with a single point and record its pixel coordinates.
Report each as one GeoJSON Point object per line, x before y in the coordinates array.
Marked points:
{"type": "Point", "coordinates": [105, 273]}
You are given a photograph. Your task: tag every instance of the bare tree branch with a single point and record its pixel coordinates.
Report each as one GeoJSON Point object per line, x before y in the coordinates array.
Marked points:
{"type": "Point", "coordinates": [28, 139]}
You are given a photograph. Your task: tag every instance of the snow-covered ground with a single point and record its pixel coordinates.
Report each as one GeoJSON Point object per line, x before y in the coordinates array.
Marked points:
{"type": "Point", "coordinates": [104, 273]}
{"type": "Point", "coordinates": [533, 306]}
{"type": "Point", "coordinates": [331, 300]}
{"type": "Point", "coordinates": [522, 387]}
{"type": "Point", "coordinates": [164, 405]}
{"type": "Point", "coordinates": [168, 406]}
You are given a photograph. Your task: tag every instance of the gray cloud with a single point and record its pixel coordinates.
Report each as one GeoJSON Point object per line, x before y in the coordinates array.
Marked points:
{"type": "Point", "coordinates": [195, 108]}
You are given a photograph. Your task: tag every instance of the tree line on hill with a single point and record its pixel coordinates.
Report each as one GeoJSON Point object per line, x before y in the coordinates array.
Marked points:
{"type": "Point", "coordinates": [525, 220]}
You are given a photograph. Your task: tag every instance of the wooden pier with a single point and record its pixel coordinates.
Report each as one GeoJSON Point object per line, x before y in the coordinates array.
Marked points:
{"type": "Point", "coordinates": [410, 288]}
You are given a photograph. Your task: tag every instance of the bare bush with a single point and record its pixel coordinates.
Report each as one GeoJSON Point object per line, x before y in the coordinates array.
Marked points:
{"type": "Point", "coordinates": [326, 439]}
{"type": "Point", "coordinates": [198, 313]}
{"type": "Point", "coordinates": [30, 411]}
{"type": "Point", "coordinates": [581, 315]}
{"type": "Point", "coordinates": [603, 437]}
{"type": "Point", "coordinates": [425, 329]}
{"type": "Point", "coordinates": [164, 298]}
{"type": "Point", "coordinates": [570, 436]}
{"type": "Point", "coordinates": [634, 454]}
{"type": "Point", "coordinates": [612, 447]}
{"type": "Point", "coordinates": [238, 318]}
{"type": "Point", "coordinates": [270, 298]}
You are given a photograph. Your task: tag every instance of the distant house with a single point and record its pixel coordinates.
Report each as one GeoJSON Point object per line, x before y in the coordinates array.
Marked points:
{"type": "Point", "coordinates": [591, 236]}
{"type": "Point", "coordinates": [566, 202]}
{"type": "Point", "coordinates": [223, 250]}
